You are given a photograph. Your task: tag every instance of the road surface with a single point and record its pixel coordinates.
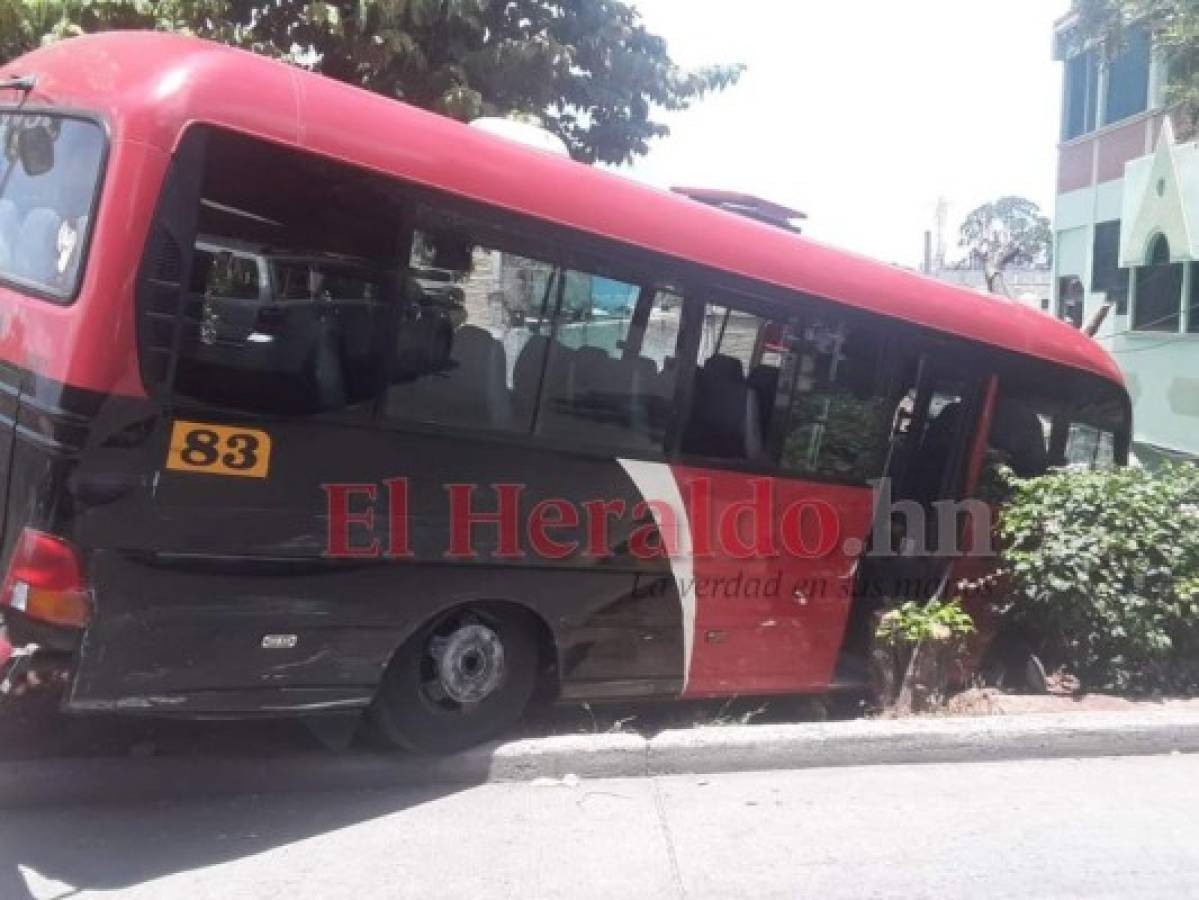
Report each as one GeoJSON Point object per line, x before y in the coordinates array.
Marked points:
{"type": "Point", "coordinates": [1066, 828]}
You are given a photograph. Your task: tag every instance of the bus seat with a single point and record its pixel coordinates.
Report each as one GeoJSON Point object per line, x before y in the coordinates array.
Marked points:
{"type": "Point", "coordinates": [643, 367]}
{"type": "Point", "coordinates": [473, 391]}
{"type": "Point", "coordinates": [1018, 431]}
{"type": "Point", "coordinates": [640, 380]}
{"type": "Point", "coordinates": [658, 399]}
{"type": "Point", "coordinates": [727, 368]}
{"type": "Point", "coordinates": [934, 453]}
{"type": "Point", "coordinates": [576, 391]}
{"type": "Point", "coordinates": [725, 418]}
{"type": "Point", "coordinates": [764, 380]}
{"type": "Point", "coordinates": [483, 386]}
{"type": "Point", "coordinates": [593, 373]}
{"type": "Point", "coordinates": [10, 222]}
{"type": "Point", "coordinates": [36, 253]}
{"type": "Point", "coordinates": [526, 374]}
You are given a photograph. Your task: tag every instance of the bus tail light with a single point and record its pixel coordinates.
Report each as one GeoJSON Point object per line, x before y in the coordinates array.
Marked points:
{"type": "Point", "coordinates": [45, 581]}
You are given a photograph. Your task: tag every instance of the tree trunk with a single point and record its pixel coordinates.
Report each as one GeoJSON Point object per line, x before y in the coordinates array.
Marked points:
{"type": "Point", "coordinates": [909, 679]}
{"type": "Point", "coordinates": [993, 269]}
{"type": "Point", "coordinates": [1092, 327]}
{"type": "Point", "coordinates": [924, 682]}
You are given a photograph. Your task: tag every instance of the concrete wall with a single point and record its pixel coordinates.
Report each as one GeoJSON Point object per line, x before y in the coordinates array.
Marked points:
{"type": "Point", "coordinates": [1033, 287]}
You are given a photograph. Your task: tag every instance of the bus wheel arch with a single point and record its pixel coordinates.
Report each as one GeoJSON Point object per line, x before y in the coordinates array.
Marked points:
{"type": "Point", "coordinates": [464, 676]}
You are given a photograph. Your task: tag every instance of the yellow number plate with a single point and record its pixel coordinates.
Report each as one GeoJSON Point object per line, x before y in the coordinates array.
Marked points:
{"type": "Point", "coordinates": [218, 450]}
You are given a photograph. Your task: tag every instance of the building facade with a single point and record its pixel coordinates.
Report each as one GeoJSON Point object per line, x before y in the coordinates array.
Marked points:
{"type": "Point", "coordinates": [1126, 224]}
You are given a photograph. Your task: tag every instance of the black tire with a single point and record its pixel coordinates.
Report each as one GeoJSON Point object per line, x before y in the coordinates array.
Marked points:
{"type": "Point", "coordinates": [413, 710]}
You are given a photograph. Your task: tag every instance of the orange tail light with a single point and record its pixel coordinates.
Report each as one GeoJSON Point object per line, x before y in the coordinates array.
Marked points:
{"type": "Point", "coordinates": [45, 581]}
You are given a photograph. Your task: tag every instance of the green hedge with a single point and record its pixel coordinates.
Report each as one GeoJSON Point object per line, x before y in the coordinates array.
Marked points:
{"type": "Point", "coordinates": [1104, 569]}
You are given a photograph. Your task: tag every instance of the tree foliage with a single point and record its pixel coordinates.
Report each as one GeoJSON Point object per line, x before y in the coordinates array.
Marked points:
{"type": "Point", "coordinates": [1175, 28]}
{"type": "Point", "coordinates": [916, 648]}
{"type": "Point", "coordinates": [936, 621]}
{"type": "Point", "coordinates": [589, 70]}
{"type": "Point", "coordinates": [1104, 569]}
{"type": "Point", "coordinates": [1009, 231]}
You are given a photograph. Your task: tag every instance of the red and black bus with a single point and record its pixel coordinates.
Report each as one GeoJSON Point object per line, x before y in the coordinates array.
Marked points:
{"type": "Point", "coordinates": [312, 401]}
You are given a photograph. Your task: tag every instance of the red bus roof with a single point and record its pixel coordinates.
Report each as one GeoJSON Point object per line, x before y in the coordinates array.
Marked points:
{"type": "Point", "coordinates": [149, 87]}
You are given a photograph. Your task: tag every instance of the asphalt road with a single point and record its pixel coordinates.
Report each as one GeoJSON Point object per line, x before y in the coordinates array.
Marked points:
{"type": "Point", "coordinates": [1068, 828]}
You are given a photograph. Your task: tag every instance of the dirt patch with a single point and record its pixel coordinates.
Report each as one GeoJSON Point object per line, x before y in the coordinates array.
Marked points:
{"type": "Point", "coordinates": [993, 702]}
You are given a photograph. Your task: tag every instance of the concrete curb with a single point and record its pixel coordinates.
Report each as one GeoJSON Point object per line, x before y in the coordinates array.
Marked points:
{"type": "Point", "coordinates": [928, 740]}
{"type": "Point", "coordinates": [693, 751]}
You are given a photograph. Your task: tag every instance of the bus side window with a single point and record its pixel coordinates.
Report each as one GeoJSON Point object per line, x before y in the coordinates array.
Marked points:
{"type": "Point", "coordinates": [606, 386]}
{"type": "Point", "coordinates": [1048, 418]}
{"type": "Point", "coordinates": [468, 347]}
{"type": "Point", "coordinates": [291, 279]}
{"type": "Point", "coordinates": [1021, 428]}
{"type": "Point", "coordinates": [729, 399]}
{"type": "Point", "coordinates": [1089, 446]}
{"type": "Point", "coordinates": [847, 398]}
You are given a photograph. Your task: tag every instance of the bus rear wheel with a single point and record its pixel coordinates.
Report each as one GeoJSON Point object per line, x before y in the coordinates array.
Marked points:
{"type": "Point", "coordinates": [462, 679]}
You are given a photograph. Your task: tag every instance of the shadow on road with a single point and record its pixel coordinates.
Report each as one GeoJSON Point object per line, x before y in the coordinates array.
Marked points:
{"type": "Point", "coordinates": [138, 837]}
{"type": "Point", "coordinates": [49, 852]}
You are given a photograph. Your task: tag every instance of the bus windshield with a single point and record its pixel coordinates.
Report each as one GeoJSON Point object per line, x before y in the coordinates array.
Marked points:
{"type": "Point", "coordinates": [49, 170]}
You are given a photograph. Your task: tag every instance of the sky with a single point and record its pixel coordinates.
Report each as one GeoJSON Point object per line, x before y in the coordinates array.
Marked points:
{"type": "Point", "coordinates": [862, 114]}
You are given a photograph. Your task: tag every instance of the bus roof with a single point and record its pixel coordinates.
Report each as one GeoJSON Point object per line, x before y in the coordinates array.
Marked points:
{"type": "Point", "coordinates": [149, 87]}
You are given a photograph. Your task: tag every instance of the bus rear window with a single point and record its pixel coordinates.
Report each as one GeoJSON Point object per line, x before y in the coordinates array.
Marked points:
{"type": "Point", "coordinates": [49, 171]}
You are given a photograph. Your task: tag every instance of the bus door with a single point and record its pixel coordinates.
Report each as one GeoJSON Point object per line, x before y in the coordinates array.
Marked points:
{"type": "Point", "coordinates": [921, 513]}
{"type": "Point", "coordinates": [789, 421]}
{"type": "Point", "coordinates": [931, 471]}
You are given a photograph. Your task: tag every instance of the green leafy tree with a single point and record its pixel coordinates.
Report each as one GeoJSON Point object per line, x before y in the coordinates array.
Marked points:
{"type": "Point", "coordinates": [1175, 28]}
{"type": "Point", "coordinates": [589, 70]}
{"type": "Point", "coordinates": [1011, 231]}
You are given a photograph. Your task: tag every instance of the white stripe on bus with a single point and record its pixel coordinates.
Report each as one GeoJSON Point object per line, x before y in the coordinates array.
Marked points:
{"type": "Point", "coordinates": [656, 482]}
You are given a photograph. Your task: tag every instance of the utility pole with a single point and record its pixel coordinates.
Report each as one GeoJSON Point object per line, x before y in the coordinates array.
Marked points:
{"type": "Point", "coordinates": [942, 219]}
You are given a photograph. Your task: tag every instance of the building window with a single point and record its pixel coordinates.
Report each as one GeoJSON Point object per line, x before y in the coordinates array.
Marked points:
{"type": "Point", "coordinates": [1106, 275]}
{"type": "Point", "coordinates": [1193, 301]}
{"type": "Point", "coordinates": [1082, 94]}
{"type": "Point", "coordinates": [1158, 303]}
{"type": "Point", "coordinates": [1070, 294]}
{"type": "Point", "coordinates": [1128, 78]}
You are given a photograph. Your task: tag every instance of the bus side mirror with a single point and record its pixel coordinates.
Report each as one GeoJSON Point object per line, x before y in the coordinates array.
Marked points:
{"type": "Point", "coordinates": [35, 149]}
